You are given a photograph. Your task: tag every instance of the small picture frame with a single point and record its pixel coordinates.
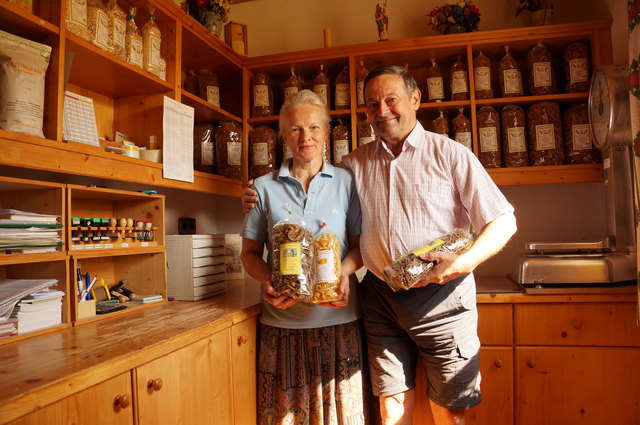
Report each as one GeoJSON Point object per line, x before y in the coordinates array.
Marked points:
{"type": "Point", "coordinates": [235, 35]}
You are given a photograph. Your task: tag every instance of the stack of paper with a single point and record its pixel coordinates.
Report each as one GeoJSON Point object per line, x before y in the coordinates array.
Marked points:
{"type": "Point", "coordinates": [8, 327]}
{"type": "Point", "coordinates": [145, 299]}
{"type": "Point", "coordinates": [39, 310]}
{"type": "Point", "coordinates": [27, 232]}
{"type": "Point", "coordinates": [13, 290]}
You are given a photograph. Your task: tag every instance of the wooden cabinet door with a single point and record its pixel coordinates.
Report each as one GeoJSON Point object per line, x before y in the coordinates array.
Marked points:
{"type": "Point", "coordinates": [194, 386]}
{"type": "Point", "coordinates": [243, 361]}
{"type": "Point", "coordinates": [577, 385]}
{"type": "Point", "coordinates": [108, 403]}
{"type": "Point", "coordinates": [496, 368]}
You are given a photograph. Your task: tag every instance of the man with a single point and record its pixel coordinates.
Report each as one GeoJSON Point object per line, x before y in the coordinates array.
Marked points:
{"type": "Point", "coordinates": [414, 186]}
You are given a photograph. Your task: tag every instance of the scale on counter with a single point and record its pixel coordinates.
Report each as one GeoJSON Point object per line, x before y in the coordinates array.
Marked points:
{"type": "Point", "coordinates": [612, 259]}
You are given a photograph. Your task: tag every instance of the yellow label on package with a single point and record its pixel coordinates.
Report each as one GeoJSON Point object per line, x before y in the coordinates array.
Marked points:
{"type": "Point", "coordinates": [428, 247]}
{"type": "Point", "coordinates": [290, 258]}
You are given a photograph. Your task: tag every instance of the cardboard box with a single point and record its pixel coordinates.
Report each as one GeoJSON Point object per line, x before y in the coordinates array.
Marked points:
{"type": "Point", "coordinates": [235, 35]}
{"type": "Point", "coordinates": [86, 309]}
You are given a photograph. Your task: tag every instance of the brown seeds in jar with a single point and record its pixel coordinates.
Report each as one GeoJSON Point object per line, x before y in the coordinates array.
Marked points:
{"type": "Point", "coordinates": [262, 148]}
{"type": "Point", "coordinates": [343, 94]}
{"type": "Point", "coordinates": [117, 29]}
{"type": "Point", "coordinates": [98, 24]}
{"type": "Point", "coordinates": [435, 86]}
{"type": "Point", "coordinates": [361, 75]}
{"type": "Point", "coordinates": [366, 132]}
{"type": "Point", "coordinates": [459, 80]}
{"type": "Point", "coordinates": [544, 133]}
{"type": "Point", "coordinates": [262, 95]}
{"type": "Point", "coordinates": [76, 19]}
{"type": "Point", "coordinates": [229, 150]}
{"type": "Point", "coordinates": [441, 125]}
{"type": "Point", "coordinates": [540, 71]}
{"type": "Point", "coordinates": [576, 67]}
{"type": "Point", "coordinates": [482, 77]}
{"type": "Point", "coordinates": [514, 141]}
{"type": "Point", "coordinates": [292, 242]}
{"type": "Point", "coordinates": [340, 142]}
{"type": "Point", "coordinates": [321, 86]}
{"type": "Point", "coordinates": [462, 129]}
{"type": "Point", "coordinates": [578, 148]}
{"type": "Point", "coordinates": [293, 85]}
{"type": "Point", "coordinates": [510, 75]}
{"type": "Point", "coordinates": [489, 137]}
{"type": "Point", "coordinates": [208, 87]}
{"type": "Point", "coordinates": [203, 148]}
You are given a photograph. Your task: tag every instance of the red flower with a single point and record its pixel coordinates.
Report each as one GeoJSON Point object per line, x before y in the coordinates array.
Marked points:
{"type": "Point", "coordinates": [202, 4]}
{"type": "Point", "coordinates": [473, 9]}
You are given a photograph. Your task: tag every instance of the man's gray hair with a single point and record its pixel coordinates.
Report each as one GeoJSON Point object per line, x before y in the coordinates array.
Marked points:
{"type": "Point", "coordinates": [409, 83]}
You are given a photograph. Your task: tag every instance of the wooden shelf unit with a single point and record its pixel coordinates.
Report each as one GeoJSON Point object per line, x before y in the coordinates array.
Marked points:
{"type": "Point", "coordinates": [416, 53]}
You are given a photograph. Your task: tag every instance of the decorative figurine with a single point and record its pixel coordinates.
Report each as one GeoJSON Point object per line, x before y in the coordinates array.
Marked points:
{"type": "Point", "coordinates": [382, 20]}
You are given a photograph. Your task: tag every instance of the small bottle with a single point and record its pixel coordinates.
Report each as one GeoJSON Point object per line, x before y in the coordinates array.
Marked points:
{"type": "Point", "coordinates": [510, 75]}
{"type": "Point", "coordinates": [117, 29]}
{"type": "Point", "coordinates": [340, 142]}
{"type": "Point", "coordinates": [321, 86]}
{"type": "Point", "coordinates": [435, 86]}
{"type": "Point", "coordinates": [360, 77]}
{"type": "Point", "coordinates": [441, 125]}
{"type": "Point", "coordinates": [482, 76]}
{"type": "Point", "coordinates": [133, 40]}
{"type": "Point", "coordinates": [152, 39]}
{"type": "Point", "coordinates": [462, 129]}
{"type": "Point", "coordinates": [98, 24]}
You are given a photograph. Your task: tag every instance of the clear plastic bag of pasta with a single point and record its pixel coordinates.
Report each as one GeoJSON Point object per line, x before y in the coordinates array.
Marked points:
{"type": "Point", "coordinates": [410, 269]}
{"type": "Point", "coordinates": [292, 272]}
{"type": "Point", "coordinates": [328, 267]}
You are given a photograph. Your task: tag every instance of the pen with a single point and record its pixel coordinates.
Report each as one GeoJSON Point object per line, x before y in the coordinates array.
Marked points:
{"type": "Point", "coordinates": [79, 280]}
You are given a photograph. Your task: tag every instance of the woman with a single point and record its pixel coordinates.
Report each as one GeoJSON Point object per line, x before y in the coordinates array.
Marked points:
{"type": "Point", "coordinates": [311, 366]}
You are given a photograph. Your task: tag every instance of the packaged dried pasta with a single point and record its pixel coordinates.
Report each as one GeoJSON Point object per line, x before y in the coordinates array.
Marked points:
{"type": "Point", "coordinates": [328, 267]}
{"type": "Point", "coordinates": [409, 268]}
{"type": "Point", "coordinates": [292, 273]}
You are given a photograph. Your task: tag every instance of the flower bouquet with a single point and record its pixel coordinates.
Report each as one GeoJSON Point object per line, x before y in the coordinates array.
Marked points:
{"type": "Point", "coordinates": [210, 13]}
{"type": "Point", "coordinates": [462, 16]}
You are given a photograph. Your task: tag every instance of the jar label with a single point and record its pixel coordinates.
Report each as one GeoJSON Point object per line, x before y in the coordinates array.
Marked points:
{"type": "Point", "coordinates": [464, 137]}
{"type": "Point", "coordinates": [101, 37]}
{"type": "Point", "coordinates": [213, 95]}
{"type": "Point", "coordinates": [366, 139]}
{"type": "Point", "coordinates": [360, 92]}
{"type": "Point", "coordinates": [155, 52]}
{"type": "Point", "coordinates": [289, 92]}
{"type": "Point", "coordinates": [321, 90]}
{"type": "Point", "coordinates": [135, 52]}
{"type": "Point", "coordinates": [78, 12]}
{"type": "Point", "coordinates": [290, 258]}
{"type": "Point", "coordinates": [206, 149]}
{"type": "Point", "coordinates": [581, 136]}
{"type": "Point", "coordinates": [340, 149]}
{"type": "Point", "coordinates": [459, 82]}
{"type": "Point", "coordinates": [260, 95]}
{"type": "Point", "coordinates": [488, 139]}
{"type": "Point", "coordinates": [119, 30]}
{"type": "Point", "coordinates": [260, 153]}
{"type": "Point", "coordinates": [234, 153]}
{"type": "Point", "coordinates": [435, 88]}
{"type": "Point", "coordinates": [542, 74]}
{"type": "Point", "coordinates": [482, 77]}
{"type": "Point", "coordinates": [342, 94]}
{"type": "Point", "coordinates": [325, 266]}
{"type": "Point", "coordinates": [512, 81]}
{"type": "Point", "coordinates": [578, 70]}
{"type": "Point", "coordinates": [545, 138]}
{"type": "Point", "coordinates": [515, 136]}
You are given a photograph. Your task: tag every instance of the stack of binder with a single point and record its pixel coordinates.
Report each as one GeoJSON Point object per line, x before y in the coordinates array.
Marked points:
{"type": "Point", "coordinates": [195, 266]}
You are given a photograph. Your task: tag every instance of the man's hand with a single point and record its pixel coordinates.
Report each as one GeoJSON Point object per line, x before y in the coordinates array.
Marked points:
{"type": "Point", "coordinates": [447, 267]}
{"type": "Point", "coordinates": [249, 197]}
{"type": "Point", "coordinates": [278, 301]}
{"type": "Point", "coordinates": [344, 288]}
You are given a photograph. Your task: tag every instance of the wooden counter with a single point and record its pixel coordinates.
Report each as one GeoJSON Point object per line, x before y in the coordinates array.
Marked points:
{"type": "Point", "coordinates": [46, 369]}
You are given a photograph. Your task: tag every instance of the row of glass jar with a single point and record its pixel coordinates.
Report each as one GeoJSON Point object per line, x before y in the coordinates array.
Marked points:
{"type": "Point", "coordinates": [543, 135]}
{"type": "Point", "coordinates": [115, 32]}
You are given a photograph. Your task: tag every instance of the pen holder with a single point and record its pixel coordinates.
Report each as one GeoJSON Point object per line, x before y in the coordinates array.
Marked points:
{"type": "Point", "coordinates": [86, 309]}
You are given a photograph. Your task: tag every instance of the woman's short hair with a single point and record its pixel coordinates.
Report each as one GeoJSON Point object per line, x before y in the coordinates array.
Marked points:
{"type": "Point", "coordinates": [303, 98]}
{"type": "Point", "coordinates": [409, 83]}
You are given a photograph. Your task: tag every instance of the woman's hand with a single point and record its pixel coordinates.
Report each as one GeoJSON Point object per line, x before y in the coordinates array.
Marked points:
{"type": "Point", "coordinates": [249, 197]}
{"type": "Point", "coordinates": [344, 288]}
{"type": "Point", "coordinates": [278, 301]}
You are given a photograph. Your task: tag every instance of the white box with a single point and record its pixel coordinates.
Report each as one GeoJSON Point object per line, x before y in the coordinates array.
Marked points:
{"type": "Point", "coordinates": [192, 273]}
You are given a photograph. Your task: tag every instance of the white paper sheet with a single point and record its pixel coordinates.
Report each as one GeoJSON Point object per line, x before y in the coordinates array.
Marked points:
{"type": "Point", "coordinates": [177, 136]}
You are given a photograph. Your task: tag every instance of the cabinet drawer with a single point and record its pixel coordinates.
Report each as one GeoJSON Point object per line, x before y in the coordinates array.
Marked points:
{"type": "Point", "coordinates": [495, 324]}
{"type": "Point", "coordinates": [594, 324]}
